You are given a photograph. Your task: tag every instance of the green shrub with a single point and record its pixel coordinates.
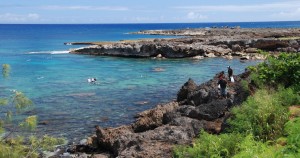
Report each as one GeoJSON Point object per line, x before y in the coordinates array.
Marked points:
{"type": "Point", "coordinates": [287, 96]}
{"type": "Point", "coordinates": [3, 101]}
{"type": "Point", "coordinates": [261, 115]}
{"type": "Point", "coordinates": [21, 101]}
{"type": "Point", "coordinates": [227, 145]}
{"type": "Point", "coordinates": [283, 69]}
{"type": "Point", "coordinates": [46, 142]}
{"type": "Point", "coordinates": [29, 123]}
{"type": "Point", "coordinates": [292, 129]}
{"type": "Point", "coordinates": [209, 145]}
{"type": "Point", "coordinates": [249, 148]}
{"type": "Point", "coordinates": [245, 86]}
{"type": "Point", "coordinates": [19, 147]}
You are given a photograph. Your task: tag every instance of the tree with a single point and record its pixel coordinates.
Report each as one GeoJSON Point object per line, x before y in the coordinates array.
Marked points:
{"type": "Point", "coordinates": [5, 70]}
{"type": "Point", "coordinates": [18, 146]}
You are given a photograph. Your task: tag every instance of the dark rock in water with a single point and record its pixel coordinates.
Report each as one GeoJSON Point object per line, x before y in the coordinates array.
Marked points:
{"type": "Point", "coordinates": [141, 102]}
{"type": "Point", "coordinates": [104, 119]}
{"type": "Point", "coordinates": [158, 69]}
{"type": "Point", "coordinates": [43, 123]}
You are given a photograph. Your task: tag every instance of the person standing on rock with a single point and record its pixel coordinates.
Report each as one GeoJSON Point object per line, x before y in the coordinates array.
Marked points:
{"type": "Point", "coordinates": [223, 85]}
{"type": "Point", "coordinates": [221, 75]}
{"type": "Point", "coordinates": [230, 74]}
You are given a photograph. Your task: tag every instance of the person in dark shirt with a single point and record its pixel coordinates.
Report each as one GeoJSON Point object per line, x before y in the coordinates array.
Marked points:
{"type": "Point", "coordinates": [223, 85]}
{"type": "Point", "coordinates": [221, 75]}
{"type": "Point", "coordinates": [230, 72]}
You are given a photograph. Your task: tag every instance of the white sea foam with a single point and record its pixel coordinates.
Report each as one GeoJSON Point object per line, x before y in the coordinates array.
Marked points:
{"type": "Point", "coordinates": [41, 77]}
{"type": "Point", "coordinates": [50, 52]}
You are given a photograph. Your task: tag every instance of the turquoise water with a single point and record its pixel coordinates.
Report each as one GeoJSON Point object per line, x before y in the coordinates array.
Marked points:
{"type": "Point", "coordinates": [57, 81]}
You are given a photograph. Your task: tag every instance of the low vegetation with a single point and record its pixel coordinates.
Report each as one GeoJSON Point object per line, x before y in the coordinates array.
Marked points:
{"type": "Point", "coordinates": [267, 124]}
{"type": "Point", "coordinates": [283, 69]}
{"type": "Point", "coordinates": [18, 146]}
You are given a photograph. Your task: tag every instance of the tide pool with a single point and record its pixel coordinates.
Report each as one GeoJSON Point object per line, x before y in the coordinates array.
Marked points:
{"type": "Point", "coordinates": [57, 84]}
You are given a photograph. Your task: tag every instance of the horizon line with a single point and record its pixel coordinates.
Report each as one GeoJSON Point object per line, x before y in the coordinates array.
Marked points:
{"type": "Point", "coordinates": [141, 23]}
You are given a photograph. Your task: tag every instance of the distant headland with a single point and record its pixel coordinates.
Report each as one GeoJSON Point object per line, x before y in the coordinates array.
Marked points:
{"type": "Point", "coordinates": [199, 43]}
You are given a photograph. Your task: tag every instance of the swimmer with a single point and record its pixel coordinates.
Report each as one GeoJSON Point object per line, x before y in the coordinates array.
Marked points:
{"type": "Point", "coordinates": [92, 80]}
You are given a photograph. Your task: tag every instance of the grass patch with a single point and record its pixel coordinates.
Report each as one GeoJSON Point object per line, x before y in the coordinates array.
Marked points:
{"type": "Point", "coordinates": [261, 115]}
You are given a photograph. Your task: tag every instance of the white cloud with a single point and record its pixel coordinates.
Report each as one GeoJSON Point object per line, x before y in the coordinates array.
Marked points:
{"type": "Point", "coordinates": [142, 19]}
{"type": "Point", "coordinates": [9, 17]}
{"type": "Point", "coordinates": [242, 8]}
{"type": "Point", "coordinates": [295, 13]}
{"type": "Point", "coordinates": [107, 8]}
{"type": "Point", "coordinates": [33, 16]}
{"type": "Point", "coordinates": [196, 16]}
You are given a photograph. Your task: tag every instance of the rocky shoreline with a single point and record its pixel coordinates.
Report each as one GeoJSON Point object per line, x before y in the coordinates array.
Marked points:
{"type": "Point", "coordinates": [157, 131]}
{"type": "Point", "coordinates": [198, 107]}
{"type": "Point", "coordinates": [200, 43]}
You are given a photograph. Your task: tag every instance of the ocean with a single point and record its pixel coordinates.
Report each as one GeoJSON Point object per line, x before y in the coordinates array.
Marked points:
{"type": "Point", "coordinates": [66, 104]}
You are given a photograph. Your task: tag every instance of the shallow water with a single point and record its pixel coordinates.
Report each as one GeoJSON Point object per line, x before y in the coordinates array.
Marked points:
{"type": "Point", "coordinates": [71, 106]}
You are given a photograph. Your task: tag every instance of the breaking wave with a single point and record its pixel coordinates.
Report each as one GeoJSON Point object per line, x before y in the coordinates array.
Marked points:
{"type": "Point", "coordinates": [50, 52]}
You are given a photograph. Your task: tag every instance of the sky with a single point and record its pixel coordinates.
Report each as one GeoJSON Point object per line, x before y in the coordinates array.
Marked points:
{"type": "Point", "coordinates": [151, 11]}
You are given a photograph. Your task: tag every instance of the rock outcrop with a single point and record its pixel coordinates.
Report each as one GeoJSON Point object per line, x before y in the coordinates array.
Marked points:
{"type": "Point", "coordinates": [156, 131]}
{"type": "Point", "coordinates": [244, 43]}
{"type": "Point", "coordinates": [198, 107]}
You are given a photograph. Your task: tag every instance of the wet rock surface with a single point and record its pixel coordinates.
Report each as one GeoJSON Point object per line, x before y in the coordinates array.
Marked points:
{"type": "Point", "coordinates": [156, 131]}
{"type": "Point", "coordinates": [213, 42]}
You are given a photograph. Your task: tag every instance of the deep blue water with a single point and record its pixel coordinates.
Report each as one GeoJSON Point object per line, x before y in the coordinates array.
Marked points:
{"type": "Point", "coordinates": [57, 81]}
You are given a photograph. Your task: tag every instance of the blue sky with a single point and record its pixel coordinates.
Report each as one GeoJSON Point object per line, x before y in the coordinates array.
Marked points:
{"type": "Point", "coordinates": [152, 11]}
